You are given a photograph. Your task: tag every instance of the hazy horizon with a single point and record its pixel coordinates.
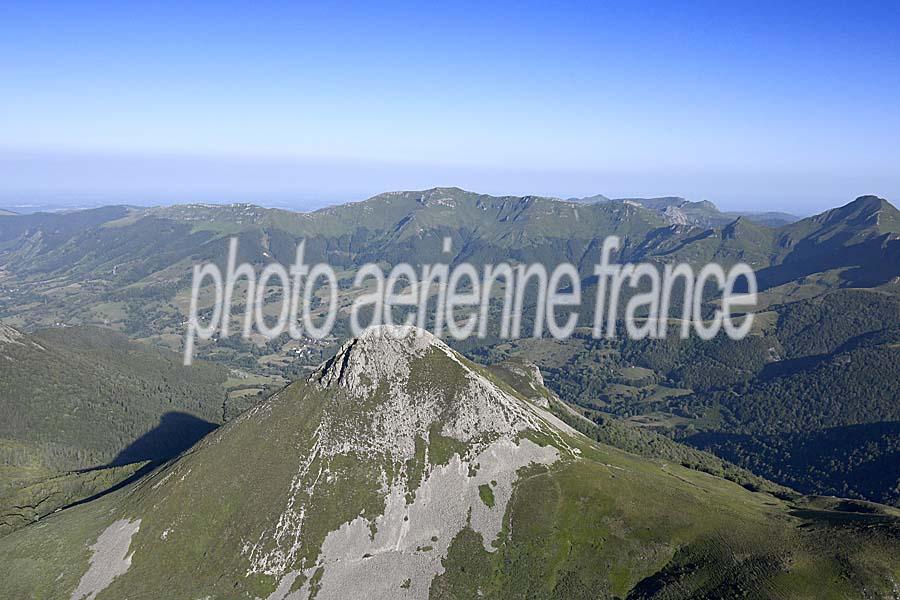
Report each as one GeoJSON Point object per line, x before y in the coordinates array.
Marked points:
{"type": "Point", "coordinates": [753, 107]}
{"type": "Point", "coordinates": [86, 180]}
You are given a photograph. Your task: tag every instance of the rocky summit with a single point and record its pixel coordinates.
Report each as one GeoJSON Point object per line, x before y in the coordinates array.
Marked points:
{"type": "Point", "coordinates": [399, 469]}
{"type": "Point", "coordinates": [429, 450]}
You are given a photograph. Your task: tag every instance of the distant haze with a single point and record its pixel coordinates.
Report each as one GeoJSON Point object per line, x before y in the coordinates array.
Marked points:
{"type": "Point", "coordinates": [38, 180]}
{"type": "Point", "coordinates": [754, 106]}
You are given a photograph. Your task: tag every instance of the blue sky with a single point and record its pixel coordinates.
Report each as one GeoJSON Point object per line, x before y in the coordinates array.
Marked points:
{"type": "Point", "coordinates": [751, 105]}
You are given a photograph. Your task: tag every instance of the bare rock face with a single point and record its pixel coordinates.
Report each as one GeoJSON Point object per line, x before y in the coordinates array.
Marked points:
{"type": "Point", "coordinates": [675, 216]}
{"type": "Point", "coordinates": [393, 372]}
{"type": "Point", "coordinates": [380, 353]}
{"type": "Point", "coordinates": [110, 559]}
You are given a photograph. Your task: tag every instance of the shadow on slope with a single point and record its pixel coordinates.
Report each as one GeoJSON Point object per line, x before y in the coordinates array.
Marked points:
{"type": "Point", "coordinates": [176, 432]}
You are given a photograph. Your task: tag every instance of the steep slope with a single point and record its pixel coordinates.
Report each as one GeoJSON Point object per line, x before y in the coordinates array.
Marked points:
{"type": "Point", "coordinates": [130, 269]}
{"type": "Point", "coordinates": [738, 240]}
{"type": "Point", "coordinates": [527, 380]}
{"type": "Point", "coordinates": [862, 238]}
{"type": "Point", "coordinates": [857, 221]}
{"type": "Point", "coordinates": [401, 470]}
{"type": "Point", "coordinates": [26, 501]}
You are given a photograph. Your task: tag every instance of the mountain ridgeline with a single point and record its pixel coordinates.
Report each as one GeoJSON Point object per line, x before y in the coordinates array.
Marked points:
{"type": "Point", "coordinates": [143, 251]}
{"type": "Point", "coordinates": [130, 268]}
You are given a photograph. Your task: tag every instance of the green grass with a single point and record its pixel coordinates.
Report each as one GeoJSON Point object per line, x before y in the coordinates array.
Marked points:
{"type": "Point", "coordinates": [40, 495]}
{"type": "Point", "coordinates": [635, 372]}
{"type": "Point", "coordinates": [486, 494]}
{"type": "Point", "coordinates": [603, 532]}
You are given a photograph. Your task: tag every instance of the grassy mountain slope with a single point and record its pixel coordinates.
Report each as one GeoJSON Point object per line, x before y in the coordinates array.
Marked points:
{"type": "Point", "coordinates": [862, 237]}
{"type": "Point", "coordinates": [703, 214]}
{"type": "Point", "coordinates": [25, 504]}
{"type": "Point", "coordinates": [470, 490]}
{"type": "Point", "coordinates": [132, 271]}
{"type": "Point", "coordinates": [80, 397]}
{"type": "Point", "coordinates": [739, 240]}
{"type": "Point", "coordinates": [120, 266]}
{"type": "Point", "coordinates": [526, 379]}
{"type": "Point", "coordinates": [808, 400]}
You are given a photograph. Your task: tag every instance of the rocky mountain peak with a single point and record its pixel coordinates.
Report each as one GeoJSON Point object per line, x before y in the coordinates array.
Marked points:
{"type": "Point", "coordinates": [404, 383]}
{"type": "Point", "coordinates": [433, 432]}
{"type": "Point", "coordinates": [869, 202]}
{"type": "Point", "coordinates": [378, 352]}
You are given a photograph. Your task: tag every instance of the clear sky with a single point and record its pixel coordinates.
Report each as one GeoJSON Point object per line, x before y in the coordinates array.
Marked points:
{"type": "Point", "coordinates": [789, 106]}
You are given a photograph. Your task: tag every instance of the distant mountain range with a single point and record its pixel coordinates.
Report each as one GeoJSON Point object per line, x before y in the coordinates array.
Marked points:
{"type": "Point", "coordinates": [142, 242]}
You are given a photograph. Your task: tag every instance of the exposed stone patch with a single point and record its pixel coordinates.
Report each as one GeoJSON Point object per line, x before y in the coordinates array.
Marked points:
{"type": "Point", "coordinates": [379, 353]}
{"type": "Point", "coordinates": [412, 539]}
{"type": "Point", "coordinates": [283, 591]}
{"type": "Point", "coordinates": [109, 560]}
